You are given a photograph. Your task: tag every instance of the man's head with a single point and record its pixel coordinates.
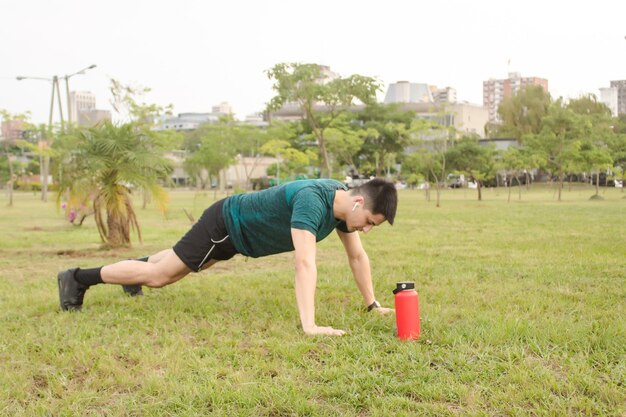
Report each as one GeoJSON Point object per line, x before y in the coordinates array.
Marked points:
{"type": "Point", "coordinates": [377, 200]}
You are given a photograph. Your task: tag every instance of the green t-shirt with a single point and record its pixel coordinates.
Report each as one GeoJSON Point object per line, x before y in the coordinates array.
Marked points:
{"type": "Point", "coordinates": [260, 223]}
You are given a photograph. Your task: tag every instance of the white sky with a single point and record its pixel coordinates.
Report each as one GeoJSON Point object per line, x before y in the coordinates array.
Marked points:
{"type": "Point", "coordinates": [195, 54]}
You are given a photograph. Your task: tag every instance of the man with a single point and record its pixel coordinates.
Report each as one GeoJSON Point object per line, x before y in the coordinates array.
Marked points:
{"type": "Point", "coordinates": [293, 216]}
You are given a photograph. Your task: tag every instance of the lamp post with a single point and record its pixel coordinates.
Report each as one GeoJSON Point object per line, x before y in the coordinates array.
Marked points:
{"type": "Point", "coordinates": [45, 161]}
{"type": "Point", "coordinates": [67, 91]}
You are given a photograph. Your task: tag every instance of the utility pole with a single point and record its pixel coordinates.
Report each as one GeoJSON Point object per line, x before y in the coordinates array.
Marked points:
{"type": "Point", "coordinates": [44, 158]}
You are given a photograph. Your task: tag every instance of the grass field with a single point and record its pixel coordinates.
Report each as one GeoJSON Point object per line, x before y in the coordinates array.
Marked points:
{"type": "Point", "coordinates": [523, 309]}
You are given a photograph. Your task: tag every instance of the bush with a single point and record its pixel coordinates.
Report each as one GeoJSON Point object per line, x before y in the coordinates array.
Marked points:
{"type": "Point", "coordinates": [34, 186]}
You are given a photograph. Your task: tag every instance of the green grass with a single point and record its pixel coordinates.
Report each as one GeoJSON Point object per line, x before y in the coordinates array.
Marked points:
{"type": "Point", "coordinates": [523, 308]}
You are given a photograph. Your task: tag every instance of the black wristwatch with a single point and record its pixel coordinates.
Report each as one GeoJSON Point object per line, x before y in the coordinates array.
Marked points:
{"type": "Point", "coordinates": [374, 305]}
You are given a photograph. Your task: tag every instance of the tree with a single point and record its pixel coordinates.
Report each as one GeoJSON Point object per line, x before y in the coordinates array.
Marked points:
{"type": "Point", "coordinates": [472, 159]}
{"type": "Point", "coordinates": [248, 141]}
{"type": "Point", "coordinates": [211, 149]}
{"type": "Point", "coordinates": [345, 143]}
{"type": "Point", "coordinates": [432, 142]}
{"type": "Point", "coordinates": [9, 149]}
{"type": "Point", "coordinates": [104, 164]}
{"type": "Point", "coordinates": [320, 99]}
{"type": "Point", "coordinates": [386, 130]}
{"type": "Point", "coordinates": [291, 161]}
{"type": "Point", "coordinates": [558, 144]}
{"type": "Point", "coordinates": [420, 165]}
{"type": "Point", "coordinates": [522, 114]}
{"type": "Point", "coordinates": [595, 153]}
{"type": "Point", "coordinates": [517, 162]}
{"type": "Point", "coordinates": [125, 101]}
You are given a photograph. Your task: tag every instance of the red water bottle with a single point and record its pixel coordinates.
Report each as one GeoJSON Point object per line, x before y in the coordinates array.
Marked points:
{"type": "Point", "coordinates": [407, 311]}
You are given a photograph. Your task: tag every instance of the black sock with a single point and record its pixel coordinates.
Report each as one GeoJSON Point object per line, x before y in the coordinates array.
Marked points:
{"type": "Point", "coordinates": [144, 259]}
{"type": "Point", "coordinates": [89, 276]}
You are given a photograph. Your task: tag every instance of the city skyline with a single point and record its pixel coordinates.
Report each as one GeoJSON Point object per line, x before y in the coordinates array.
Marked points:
{"type": "Point", "coordinates": [196, 55]}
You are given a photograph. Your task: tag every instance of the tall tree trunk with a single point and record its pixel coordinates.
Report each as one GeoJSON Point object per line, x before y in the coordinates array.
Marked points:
{"type": "Point", "coordinates": [117, 234]}
{"type": "Point", "coordinates": [437, 188]}
{"type": "Point", "coordinates": [598, 183]}
{"type": "Point", "coordinates": [438, 194]}
{"type": "Point", "coordinates": [479, 187]}
{"type": "Point", "coordinates": [319, 135]}
{"type": "Point", "coordinates": [146, 199]}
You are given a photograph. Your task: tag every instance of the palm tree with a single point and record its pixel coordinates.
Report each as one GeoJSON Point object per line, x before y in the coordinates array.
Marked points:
{"type": "Point", "coordinates": [103, 165]}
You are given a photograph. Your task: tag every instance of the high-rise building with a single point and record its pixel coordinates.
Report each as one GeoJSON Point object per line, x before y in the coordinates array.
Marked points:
{"type": "Point", "coordinates": [620, 85]}
{"type": "Point", "coordinates": [495, 91]}
{"type": "Point", "coordinates": [83, 110]}
{"type": "Point", "coordinates": [81, 101]}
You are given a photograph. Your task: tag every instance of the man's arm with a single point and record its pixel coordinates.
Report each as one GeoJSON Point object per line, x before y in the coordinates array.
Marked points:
{"type": "Point", "coordinates": [306, 281]}
{"type": "Point", "coordinates": [360, 265]}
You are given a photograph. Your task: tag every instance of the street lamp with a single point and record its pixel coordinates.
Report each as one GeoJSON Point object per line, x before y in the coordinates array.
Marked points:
{"type": "Point", "coordinates": [45, 166]}
{"type": "Point", "coordinates": [67, 91]}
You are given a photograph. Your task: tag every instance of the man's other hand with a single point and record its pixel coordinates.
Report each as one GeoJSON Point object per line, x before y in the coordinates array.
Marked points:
{"type": "Point", "coordinates": [313, 330]}
{"type": "Point", "coordinates": [384, 310]}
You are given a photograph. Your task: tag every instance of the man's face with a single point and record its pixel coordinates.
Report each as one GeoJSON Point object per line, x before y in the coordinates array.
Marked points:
{"type": "Point", "coordinates": [361, 219]}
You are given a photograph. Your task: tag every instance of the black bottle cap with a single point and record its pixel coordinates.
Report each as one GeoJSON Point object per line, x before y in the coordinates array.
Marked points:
{"type": "Point", "coordinates": [402, 286]}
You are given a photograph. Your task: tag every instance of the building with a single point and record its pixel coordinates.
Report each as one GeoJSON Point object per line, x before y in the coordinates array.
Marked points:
{"type": "Point", "coordinates": [83, 110]}
{"type": "Point", "coordinates": [608, 96]}
{"type": "Point", "coordinates": [93, 117]}
{"type": "Point", "coordinates": [620, 85]}
{"type": "Point", "coordinates": [495, 91]}
{"type": "Point", "coordinates": [406, 92]}
{"type": "Point", "coordinates": [81, 101]}
{"type": "Point", "coordinates": [466, 118]}
{"type": "Point", "coordinates": [223, 108]}
{"type": "Point", "coordinates": [444, 95]}
{"type": "Point", "coordinates": [245, 169]}
{"type": "Point", "coordinates": [187, 121]}
{"type": "Point", "coordinates": [12, 130]}
{"type": "Point", "coordinates": [326, 75]}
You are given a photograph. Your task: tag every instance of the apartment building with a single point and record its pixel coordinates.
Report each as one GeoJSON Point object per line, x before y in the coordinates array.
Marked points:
{"type": "Point", "coordinates": [495, 91]}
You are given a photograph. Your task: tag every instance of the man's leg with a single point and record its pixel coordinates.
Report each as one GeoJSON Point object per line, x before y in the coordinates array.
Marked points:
{"type": "Point", "coordinates": [135, 290]}
{"type": "Point", "coordinates": [158, 256]}
{"type": "Point", "coordinates": [162, 269]}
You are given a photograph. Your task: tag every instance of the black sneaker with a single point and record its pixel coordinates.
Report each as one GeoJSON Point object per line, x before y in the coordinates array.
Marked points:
{"type": "Point", "coordinates": [132, 290]}
{"type": "Point", "coordinates": [71, 292]}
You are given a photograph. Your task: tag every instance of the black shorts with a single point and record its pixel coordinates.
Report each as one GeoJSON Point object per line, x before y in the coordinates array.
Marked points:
{"type": "Point", "coordinates": [207, 239]}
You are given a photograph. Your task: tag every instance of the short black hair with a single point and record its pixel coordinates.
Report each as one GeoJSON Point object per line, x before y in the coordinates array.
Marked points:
{"type": "Point", "coordinates": [381, 197]}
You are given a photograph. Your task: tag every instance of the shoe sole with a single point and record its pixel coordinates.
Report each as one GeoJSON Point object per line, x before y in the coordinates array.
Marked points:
{"type": "Point", "coordinates": [132, 290]}
{"type": "Point", "coordinates": [61, 284]}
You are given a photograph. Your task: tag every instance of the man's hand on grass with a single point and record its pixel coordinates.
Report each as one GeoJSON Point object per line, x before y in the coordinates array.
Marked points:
{"type": "Point", "coordinates": [384, 310]}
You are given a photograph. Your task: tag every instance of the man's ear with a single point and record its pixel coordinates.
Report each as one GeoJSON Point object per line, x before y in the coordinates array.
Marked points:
{"type": "Point", "coordinates": [358, 199]}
